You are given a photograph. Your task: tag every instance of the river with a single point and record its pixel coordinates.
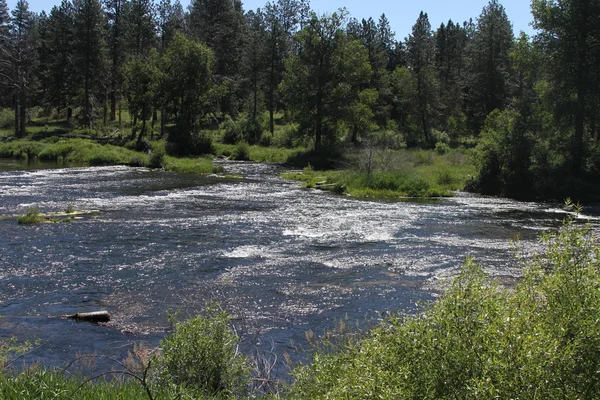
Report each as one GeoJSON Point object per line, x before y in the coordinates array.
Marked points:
{"type": "Point", "coordinates": [280, 258]}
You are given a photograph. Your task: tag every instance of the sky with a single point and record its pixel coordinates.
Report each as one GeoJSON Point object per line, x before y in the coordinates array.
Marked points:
{"type": "Point", "coordinates": [402, 14]}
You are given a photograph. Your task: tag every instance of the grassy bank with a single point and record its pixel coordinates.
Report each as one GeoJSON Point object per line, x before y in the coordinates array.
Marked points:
{"type": "Point", "coordinates": [420, 173]}
{"type": "Point", "coordinates": [86, 152]}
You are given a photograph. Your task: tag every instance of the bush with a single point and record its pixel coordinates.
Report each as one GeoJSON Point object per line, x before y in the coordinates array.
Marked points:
{"type": "Point", "coordinates": [441, 148]}
{"type": "Point", "coordinates": [32, 216]}
{"type": "Point", "coordinates": [201, 356]}
{"type": "Point", "coordinates": [232, 130]}
{"type": "Point", "coordinates": [7, 118]}
{"type": "Point", "coordinates": [242, 151]}
{"type": "Point", "coordinates": [157, 158]}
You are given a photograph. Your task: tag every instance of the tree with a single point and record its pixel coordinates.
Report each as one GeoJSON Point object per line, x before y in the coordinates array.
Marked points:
{"type": "Point", "coordinates": [23, 57]}
{"type": "Point", "coordinates": [325, 77]}
{"type": "Point", "coordinates": [570, 37]}
{"type": "Point", "coordinates": [450, 43]}
{"type": "Point", "coordinates": [140, 27]}
{"type": "Point", "coordinates": [61, 69]}
{"type": "Point", "coordinates": [282, 20]}
{"type": "Point", "coordinates": [141, 79]}
{"type": "Point", "coordinates": [89, 55]}
{"type": "Point", "coordinates": [5, 55]}
{"type": "Point", "coordinates": [171, 19]}
{"type": "Point", "coordinates": [187, 70]}
{"type": "Point", "coordinates": [488, 64]}
{"type": "Point", "coordinates": [116, 39]}
{"type": "Point", "coordinates": [254, 66]}
{"type": "Point", "coordinates": [420, 54]}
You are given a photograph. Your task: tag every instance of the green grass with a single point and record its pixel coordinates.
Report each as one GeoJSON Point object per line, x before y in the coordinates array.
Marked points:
{"type": "Point", "coordinates": [416, 174]}
{"type": "Point", "coordinates": [71, 151]}
{"type": "Point", "coordinates": [190, 165]}
{"type": "Point", "coordinates": [260, 153]}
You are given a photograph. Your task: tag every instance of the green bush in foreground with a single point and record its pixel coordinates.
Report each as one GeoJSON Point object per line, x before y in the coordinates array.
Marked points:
{"type": "Point", "coordinates": [480, 340]}
{"type": "Point", "coordinates": [202, 357]}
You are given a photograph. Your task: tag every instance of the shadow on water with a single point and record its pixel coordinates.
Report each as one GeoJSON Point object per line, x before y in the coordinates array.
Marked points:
{"type": "Point", "coordinates": [280, 258]}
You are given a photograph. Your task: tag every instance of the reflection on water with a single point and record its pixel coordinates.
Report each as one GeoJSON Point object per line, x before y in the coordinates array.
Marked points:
{"type": "Point", "coordinates": [282, 259]}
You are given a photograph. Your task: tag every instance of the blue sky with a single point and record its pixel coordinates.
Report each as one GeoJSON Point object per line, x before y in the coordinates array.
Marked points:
{"type": "Point", "coordinates": [402, 14]}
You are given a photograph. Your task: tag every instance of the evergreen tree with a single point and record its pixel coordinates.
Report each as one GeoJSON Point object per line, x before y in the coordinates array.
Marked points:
{"type": "Point", "coordinates": [61, 69]}
{"type": "Point", "coordinates": [282, 20]}
{"type": "Point", "coordinates": [140, 27]}
{"type": "Point", "coordinates": [420, 54]}
{"type": "Point", "coordinates": [5, 55]}
{"type": "Point", "coordinates": [570, 36]}
{"type": "Point", "coordinates": [254, 68]}
{"type": "Point", "coordinates": [89, 56]}
{"type": "Point", "coordinates": [23, 58]}
{"type": "Point", "coordinates": [116, 49]}
{"type": "Point", "coordinates": [488, 65]}
{"type": "Point", "coordinates": [450, 43]}
{"type": "Point", "coordinates": [325, 78]}
{"type": "Point", "coordinates": [171, 19]}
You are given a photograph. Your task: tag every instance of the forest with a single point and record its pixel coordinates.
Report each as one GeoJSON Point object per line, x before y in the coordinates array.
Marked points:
{"type": "Point", "coordinates": [529, 107]}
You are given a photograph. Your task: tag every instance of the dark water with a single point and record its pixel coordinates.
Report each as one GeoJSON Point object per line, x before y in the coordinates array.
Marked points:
{"type": "Point", "coordinates": [282, 259]}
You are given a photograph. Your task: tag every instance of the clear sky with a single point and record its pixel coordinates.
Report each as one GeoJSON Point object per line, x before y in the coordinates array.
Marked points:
{"type": "Point", "coordinates": [402, 14]}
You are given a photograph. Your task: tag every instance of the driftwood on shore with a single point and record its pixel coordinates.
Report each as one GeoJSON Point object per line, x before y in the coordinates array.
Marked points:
{"type": "Point", "coordinates": [95, 316]}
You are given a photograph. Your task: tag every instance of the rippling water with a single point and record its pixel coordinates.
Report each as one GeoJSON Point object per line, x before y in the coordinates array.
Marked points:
{"type": "Point", "coordinates": [282, 259]}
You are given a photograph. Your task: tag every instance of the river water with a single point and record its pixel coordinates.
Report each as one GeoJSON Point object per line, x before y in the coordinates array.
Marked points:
{"type": "Point", "coordinates": [280, 258]}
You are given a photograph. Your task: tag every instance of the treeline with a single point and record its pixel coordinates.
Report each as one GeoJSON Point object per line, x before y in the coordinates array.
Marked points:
{"type": "Point", "coordinates": [531, 105]}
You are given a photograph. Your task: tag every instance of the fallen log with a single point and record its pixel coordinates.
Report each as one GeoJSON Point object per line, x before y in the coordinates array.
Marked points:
{"type": "Point", "coordinates": [95, 316]}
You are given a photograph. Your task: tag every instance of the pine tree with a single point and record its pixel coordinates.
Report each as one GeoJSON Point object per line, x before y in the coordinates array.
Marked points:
{"type": "Point", "coordinates": [282, 20]}
{"type": "Point", "coordinates": [61, 69]}
{"type": "Point", "coordinates": [171, 19]}
{"type": "Point", "coordinates": [116, 50]}
{"type": "Point", "coordinates": [255, 66]}
{"type": "Point", "coordinates": [488, 64]}
{"type": "Point", "coordinates": [5, 55]}
{"type": "Point", "coordinates": [23, 58]}
{"type": "Point", "coordinates": [89, 55]}
{"type": "Point", "coordinates": [324, 79]}
{"type": "Point", "coordinates": [420, 54]}
{"type": "Point", "coordinates": [570, 36]}
{"type": "Point", "coordinates": [140, 27]}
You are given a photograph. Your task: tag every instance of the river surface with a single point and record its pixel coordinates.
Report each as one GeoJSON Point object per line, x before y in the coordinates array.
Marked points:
{"type": "Point", "coordinates": [280, 258]}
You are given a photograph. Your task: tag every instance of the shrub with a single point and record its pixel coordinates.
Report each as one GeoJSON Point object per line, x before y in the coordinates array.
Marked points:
{"type": "Point", "coordinates": [201, 356]}
{"type": "Point", "coordinates": [232, 130]}
{"type": "Point", "coordinates": [441, 148]}
{"type": "Point", "coordinates": [242, 151]}
{"type": "Point", "coordinates": [7, 118]}
{"type": "Point", "coordinates": [157, 158]}
{"type": "Point", "coordinates": [32, 216]}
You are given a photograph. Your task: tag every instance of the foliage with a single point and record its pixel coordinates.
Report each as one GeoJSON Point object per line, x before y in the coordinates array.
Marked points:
{"type": "Point", "coordinates": [202, 356]}
{"type": "Point", "coordinates": [404, 175]}
{"type": "Point", "coordinates": [481, 339]}
{"type": "Point", "coordinates": [503, 155]}
{"type": "Point", "coordinates": [7, 118]}
{"type": "Point", "coordinates": [32, 216]}
{"type": "Point", "coordinates": [242, 151]}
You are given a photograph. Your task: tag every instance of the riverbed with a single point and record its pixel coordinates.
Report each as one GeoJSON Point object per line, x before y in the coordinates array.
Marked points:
{"type": "Point", "coordinates": [282, 259]}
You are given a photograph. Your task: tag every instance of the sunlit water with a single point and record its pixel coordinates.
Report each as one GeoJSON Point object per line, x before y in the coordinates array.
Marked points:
{"type": "Point", "coordinates": [280, 258]}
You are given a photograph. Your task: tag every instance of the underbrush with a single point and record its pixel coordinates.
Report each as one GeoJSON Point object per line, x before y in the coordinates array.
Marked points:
{"type": "Point", "coordinates": [406, 174]}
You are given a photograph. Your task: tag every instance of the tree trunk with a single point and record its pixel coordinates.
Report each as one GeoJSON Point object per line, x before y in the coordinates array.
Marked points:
{"type": "Point", "coordinates": [23, 111]}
